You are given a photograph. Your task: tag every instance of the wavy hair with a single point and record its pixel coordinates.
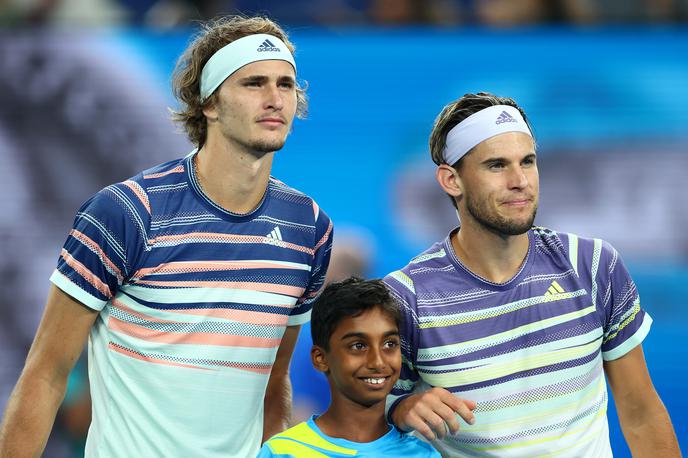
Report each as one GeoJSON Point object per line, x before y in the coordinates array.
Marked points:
{"type": "Point", "coordinates": [186, 78]}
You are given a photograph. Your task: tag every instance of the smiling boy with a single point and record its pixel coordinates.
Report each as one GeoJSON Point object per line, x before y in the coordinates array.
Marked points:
{"type": "Point", "coordinates": [355, 330]}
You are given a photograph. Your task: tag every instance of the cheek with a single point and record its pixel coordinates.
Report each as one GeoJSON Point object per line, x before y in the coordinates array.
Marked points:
{"type": "Point", "coordinates": [395, 362]}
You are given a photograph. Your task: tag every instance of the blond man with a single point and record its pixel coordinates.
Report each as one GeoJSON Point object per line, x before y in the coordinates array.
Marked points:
{"type": "Point", "coordinates": [191, 279]}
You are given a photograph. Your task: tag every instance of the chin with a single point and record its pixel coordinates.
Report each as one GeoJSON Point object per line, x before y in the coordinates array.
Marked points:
{"type": "Point", "coordinates": [268, 146]}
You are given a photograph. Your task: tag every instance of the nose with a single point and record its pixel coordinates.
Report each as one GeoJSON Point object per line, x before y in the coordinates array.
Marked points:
{"type": "Point", "coordinates": [376, 359]}
{"type": "Point", "coordinates": [273, 98]}
{"type": "Point", "coordinates": [518, 178]}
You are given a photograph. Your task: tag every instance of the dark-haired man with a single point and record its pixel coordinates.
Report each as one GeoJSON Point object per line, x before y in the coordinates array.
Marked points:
{"type": "Point", "coordinates": [355, 329]}
{"type": "Point", "coordinates": [523, 321]}
{"type": "Point", "coordinates": [192, 278]}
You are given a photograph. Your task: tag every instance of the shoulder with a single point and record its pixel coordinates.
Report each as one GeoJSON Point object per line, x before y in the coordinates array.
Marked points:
{"type": "Point", "coordinates": [551, 241]}
{"type": "Point", "coordinates": [291, 205]}
{"type": "Point", "coordinates": [166, 172]}
{"type": "Point", "coordinates": [302, 440]}
{"type": "Point", "coordinates": [589, 251]}
{"type": "Point", "coordinates": [281, 190]}
{"type": "Point", "coordinates": [299, 432]}
{"type": "Point", "coordinates": [135, 190]}
{"type": "Point", "coordinates": [286, 443]}
{"type": "Point", "coordinates": [406, 280]}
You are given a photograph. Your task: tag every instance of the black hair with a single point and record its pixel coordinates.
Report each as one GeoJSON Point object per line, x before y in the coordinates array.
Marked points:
{"type": "Point", "coordinates": [346, 299]}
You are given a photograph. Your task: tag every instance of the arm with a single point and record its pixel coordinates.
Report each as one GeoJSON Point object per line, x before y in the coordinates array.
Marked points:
{"type": "Point", "coordinates": [644, 419]}
{"type": "Point", "coordinates": [430, 412]}
{"type": "Point", "coordinates": [277, 403]}
{"type": "Point", "coordinates": [41, 387]}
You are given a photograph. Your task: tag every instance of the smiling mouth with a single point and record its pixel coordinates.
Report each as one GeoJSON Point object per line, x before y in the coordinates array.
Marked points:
{"type": "Point", "coordinates": [375, 380]}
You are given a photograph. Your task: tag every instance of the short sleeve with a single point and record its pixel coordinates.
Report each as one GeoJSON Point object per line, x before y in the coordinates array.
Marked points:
{"type": "Point", "coordinates": [321, 261]}
{"type": "Point", "coordinates": [96, 258]}
{"type": "Point", "coordinates": [626, 323]}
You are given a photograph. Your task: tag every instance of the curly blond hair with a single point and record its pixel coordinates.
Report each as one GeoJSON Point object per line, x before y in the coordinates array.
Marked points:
{"type": "Point", "coordinates": [186, 78]}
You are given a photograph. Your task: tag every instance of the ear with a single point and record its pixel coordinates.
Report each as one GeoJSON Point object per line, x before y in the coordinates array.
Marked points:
{"type": "Point", "coordinates": [319, 359]}
{"type": "Point", "coordinates": [210, 110]}
{"type": "Point", "coordinates": [449, 180]}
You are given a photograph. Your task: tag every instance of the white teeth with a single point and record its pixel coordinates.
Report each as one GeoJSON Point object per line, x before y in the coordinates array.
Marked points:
{"type": "Point", "coordinates": [374, 381]}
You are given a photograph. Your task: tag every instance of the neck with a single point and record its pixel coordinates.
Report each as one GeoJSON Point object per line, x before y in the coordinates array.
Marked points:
{"type": "Point", "coordinates": [494, 257]}
{"type": "Point", "coordinates": [354, 422]}
{"type": "Point", "coordinates": [234, 179]}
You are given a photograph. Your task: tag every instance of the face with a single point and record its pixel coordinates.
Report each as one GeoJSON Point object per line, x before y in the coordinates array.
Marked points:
{"type": "Point", "coordinates": [255, 107]}
{"type": "Point", "coordinates": [364, 359]}
{"type": "Point", "coordinates": [500, 184]}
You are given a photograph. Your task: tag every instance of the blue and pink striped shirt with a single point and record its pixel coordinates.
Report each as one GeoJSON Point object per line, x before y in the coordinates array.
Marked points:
{"type": "Point", "coordinates": [529, 351]}
{"type": "Point", "coordinates": [193, 303]}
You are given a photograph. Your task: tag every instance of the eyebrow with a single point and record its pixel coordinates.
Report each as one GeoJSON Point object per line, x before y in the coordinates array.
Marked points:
{"type": "Point", "coordinates": [363, 335]}
{"type": "Point", "coordinates": [263, 78]}
{"type": "Point", "coordinates": [493, 160]}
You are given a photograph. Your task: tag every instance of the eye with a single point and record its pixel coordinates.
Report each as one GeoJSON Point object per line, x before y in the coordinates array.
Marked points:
{"type": "Point", "coordinates": [287, 85]}
{"type": "Point", "coordinates": [252, 84]}
{"type": "Point", "coordinates": [357, 346]}
{"type": "Point", "coordinates": [529, 160]}
{"type": "Point", "coordinates": [496, 166]}
{"type": "Point", "coordinates": [391, 344]}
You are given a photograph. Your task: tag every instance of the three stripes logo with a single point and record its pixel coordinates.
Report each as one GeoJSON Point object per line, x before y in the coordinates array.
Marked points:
{"type": "Point", "coordinates": [554, 290]}
{"type": "Point", "coordinates": [505, 117]}
{"type": "Point", "coordinates": [274, 237]}
{"type": "Point", "coordinates": [267, 45]}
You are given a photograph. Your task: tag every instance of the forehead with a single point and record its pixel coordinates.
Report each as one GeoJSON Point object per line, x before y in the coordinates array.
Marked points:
{"type": "Point", "coordinates": [505, 145]}
{"type": "Point", "coordinates": [372, 321]}
{"type": "Point", "coordinates": [269, 68]}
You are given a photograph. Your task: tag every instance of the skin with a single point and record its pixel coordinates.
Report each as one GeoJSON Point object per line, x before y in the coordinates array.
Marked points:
{"type": "Point", "coordinates": [32, 407]}
{"type": "Point", "coordinates": [496, 190]}
{"type": "Point", "coordinates": [644, 420]}
{"type": "Point", "coordinates": [361, 347]}
{"type": "Point", "coordinates": [251, 120]}
{"type": "Point", "coordinates": [278, 399]}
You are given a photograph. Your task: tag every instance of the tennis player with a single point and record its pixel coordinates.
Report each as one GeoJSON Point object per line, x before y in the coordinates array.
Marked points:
{"type": "Point", "coordinates": [191, 279]}
{"type": "Point", "coordinates": [517, 329]}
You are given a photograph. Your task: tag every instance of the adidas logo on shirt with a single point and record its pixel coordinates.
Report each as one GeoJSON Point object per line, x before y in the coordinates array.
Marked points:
{"type": "Point", "coordinates": [275, 236]}
{"type": "Point", "coordinates": [554, 290]}
{"type": "Point", "coordinates": [267, 45]}
{"type": "Point", "coordinates": [505, 117]}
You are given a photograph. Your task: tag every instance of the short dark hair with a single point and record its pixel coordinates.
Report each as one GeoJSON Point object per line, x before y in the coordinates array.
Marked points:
{"type": "Point", "coordinates": [347, 299]}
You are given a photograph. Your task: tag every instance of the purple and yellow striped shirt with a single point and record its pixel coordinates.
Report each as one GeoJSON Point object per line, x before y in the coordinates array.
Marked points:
{"type": "Point", "coordinates": [528, 351]}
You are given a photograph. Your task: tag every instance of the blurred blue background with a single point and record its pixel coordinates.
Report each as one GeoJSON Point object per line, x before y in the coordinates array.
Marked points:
{"type": "Point", "coordinates": [607, 96]}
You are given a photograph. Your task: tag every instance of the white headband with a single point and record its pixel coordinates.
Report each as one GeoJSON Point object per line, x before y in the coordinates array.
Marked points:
{"type": "Point", "coordinates": [238, 53]}
{"type": "Point", "coordinates": [480, 126]}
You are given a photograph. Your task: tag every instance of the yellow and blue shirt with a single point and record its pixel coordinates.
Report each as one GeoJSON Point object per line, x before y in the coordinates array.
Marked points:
{"type": "Point", "coordinates": [305, 440]}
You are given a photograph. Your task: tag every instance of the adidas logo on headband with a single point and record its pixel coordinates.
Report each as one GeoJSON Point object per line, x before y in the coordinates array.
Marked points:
{"type": "Point", "coordinates": [505, 117]}
{"type": "Point", "coordinates": [267, 46]}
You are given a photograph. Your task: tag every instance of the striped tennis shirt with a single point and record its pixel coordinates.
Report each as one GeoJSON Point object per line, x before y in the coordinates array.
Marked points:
{"type": "Point", "coordinates": [193, 302]}
{"type": "Point", "coordinates": [529, 351]}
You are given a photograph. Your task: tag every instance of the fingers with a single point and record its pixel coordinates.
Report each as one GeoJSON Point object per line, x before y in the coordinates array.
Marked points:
{"type": "Point", "coordinates": [463, 407]}
{"type": "Point", "coordinates": [417, 423]}
{"type": "Point", "coordinates": [433, 413]}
